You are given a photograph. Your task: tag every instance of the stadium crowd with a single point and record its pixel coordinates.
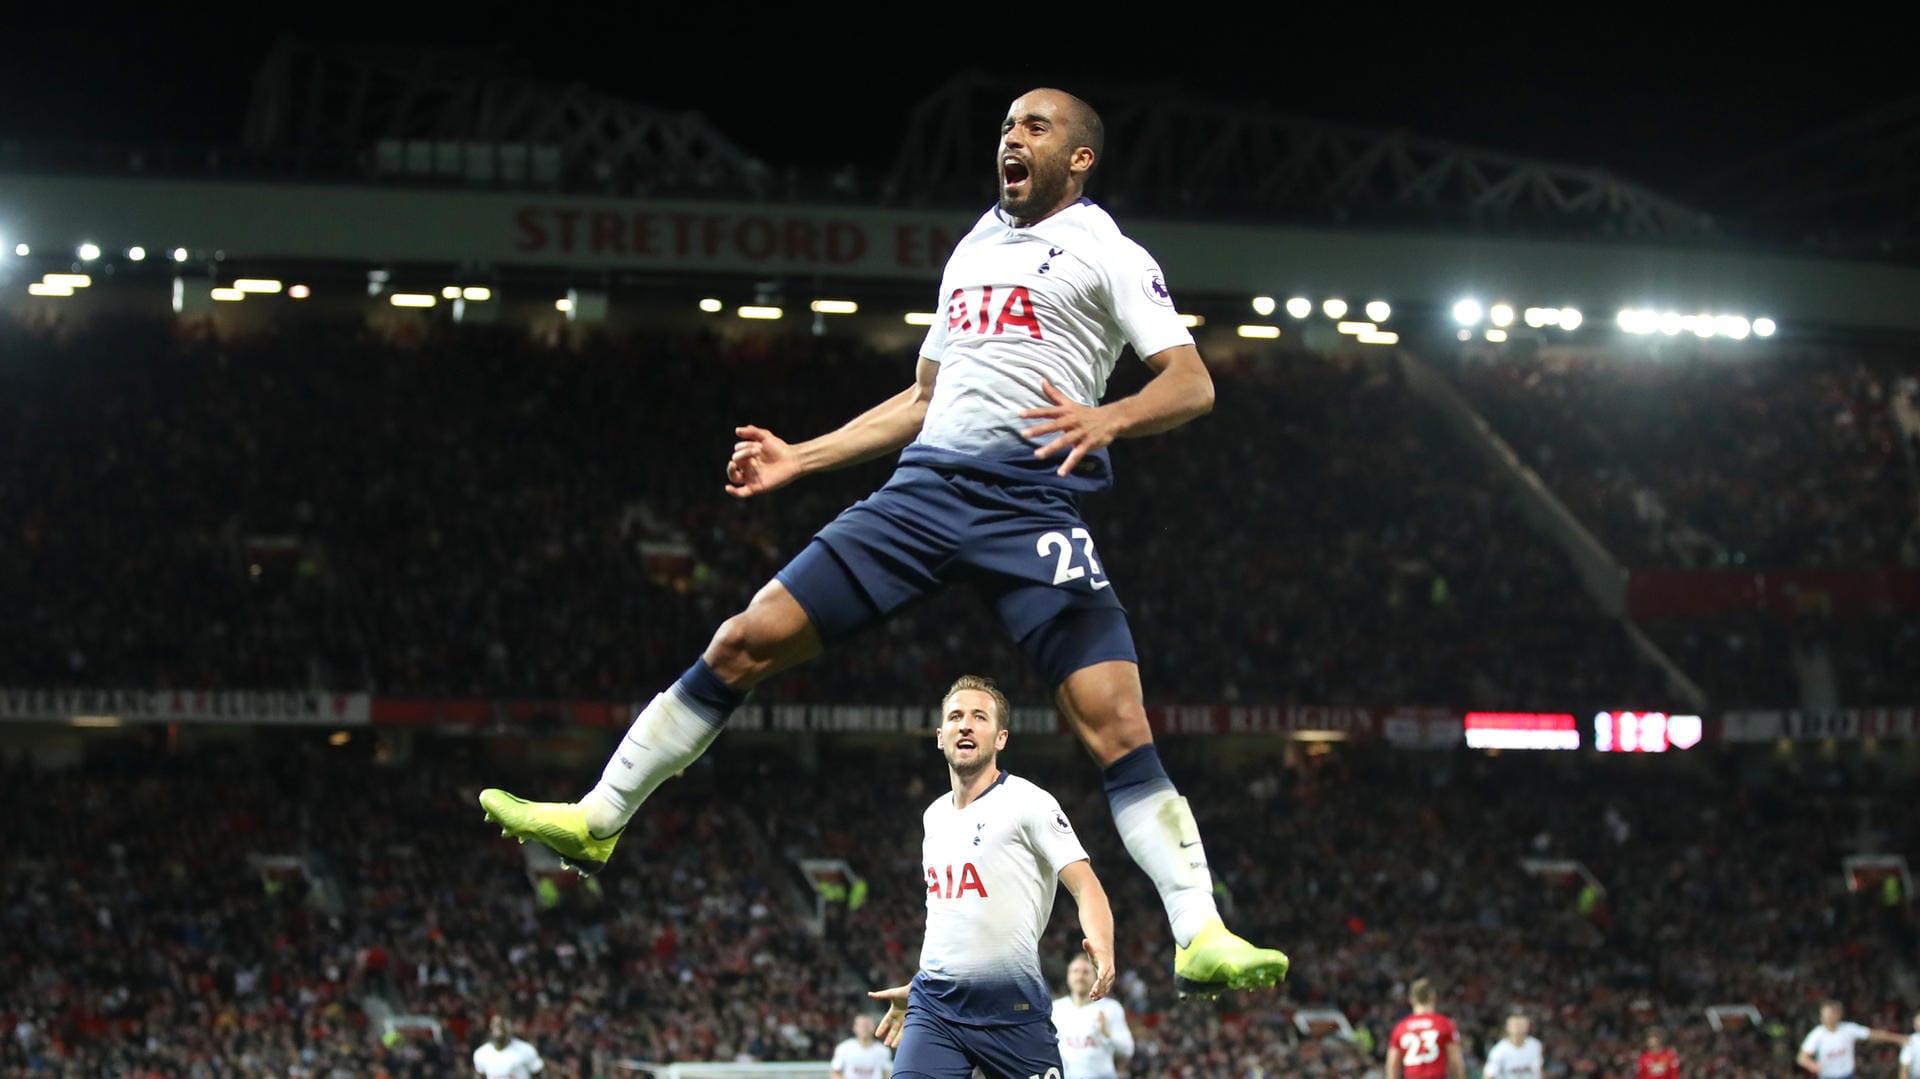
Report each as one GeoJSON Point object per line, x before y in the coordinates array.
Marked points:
{"type": "Point", "coordinates": [142, 946]}
{"type": "Point", "coordinates": [143, 939]}
{"type": "Point", "coordinates": [1710, 458]}
{"type": "Point", "coordinates": [479, 513]}
{"type": "Point", "coordinates": [1705, 457]}
{"type": "Point", "coordinates": [1373, 872]}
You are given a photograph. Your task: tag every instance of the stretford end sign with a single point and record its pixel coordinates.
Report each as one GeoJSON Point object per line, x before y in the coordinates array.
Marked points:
{"type": "Point", "coordinates": [375, 225]}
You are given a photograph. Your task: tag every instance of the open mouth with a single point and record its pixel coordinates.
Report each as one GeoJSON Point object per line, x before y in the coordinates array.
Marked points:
{"type": "Point", "coordinates": [1014, 174]}
{"type": "Point", "coordinates": [965, 743]}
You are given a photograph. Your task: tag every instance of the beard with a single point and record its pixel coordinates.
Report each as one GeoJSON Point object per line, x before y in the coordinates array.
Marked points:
{"type": "Point", "coordinates": [983, 759]}
{"type": "Point", "coordinates": [1047, 182]}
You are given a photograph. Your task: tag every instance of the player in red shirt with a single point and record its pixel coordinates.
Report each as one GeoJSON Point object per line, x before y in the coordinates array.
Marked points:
{"type": "Point", "coordinates": [1425, 1045]}
{"type": "Point", "coordinates": [1659, 1061]}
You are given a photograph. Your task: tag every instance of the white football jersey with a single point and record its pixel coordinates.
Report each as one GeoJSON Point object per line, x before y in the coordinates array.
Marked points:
{"type": "Point", "coordinates": [517, 1061]}
{"type": "Point", "coordinates": [1086, 1051]}
{"type": "Point", "coordinates": [1910, 1056]}
{"type": "Point", "coordinates": [1833, 1049]}
{"type": "Point", "coordinates": [1056, 301]}
{"type": "Point", "coordinates": [855, 1061]}
{"type": "Point", "coordinates": [991, 873]}
{"type": "Point", "coordinates": [1509, 1061]}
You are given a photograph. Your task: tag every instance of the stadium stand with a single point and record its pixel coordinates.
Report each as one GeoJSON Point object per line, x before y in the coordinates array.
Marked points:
{"type": "Point", "coordinates": [1701, 458]}
{"type": "Point", "coordinates": [485, 513]}
{"type": "Point", "coordinates": [482, 514]}
{"type": "Point", "coordinates": [142, 947]}
{"type": "Point", "coordinates": [387, 506]}
{"type": "Point", "coordinates": [1697, 458]}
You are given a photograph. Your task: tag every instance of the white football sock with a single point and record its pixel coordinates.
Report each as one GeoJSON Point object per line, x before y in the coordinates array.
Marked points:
{"type": "Point", "coordinates": [1160, 833]}
{"type": "Point", "coordinates": [668, 735]}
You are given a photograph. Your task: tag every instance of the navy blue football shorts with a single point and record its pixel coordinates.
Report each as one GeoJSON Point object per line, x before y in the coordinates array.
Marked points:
{"type": "Point", "coordinates": [1023, 546]}
{"type": "Point", "coordinates": [936, 1048]}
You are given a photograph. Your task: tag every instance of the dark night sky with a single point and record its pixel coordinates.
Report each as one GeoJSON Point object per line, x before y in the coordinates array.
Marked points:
{"type": "Point", "coordinates": [1660, 101]}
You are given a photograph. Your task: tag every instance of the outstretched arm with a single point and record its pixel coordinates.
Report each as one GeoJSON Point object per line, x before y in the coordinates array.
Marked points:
{"type": "Point", "coordinates": [1180, 390]}
{"type": "Point", "coordinates": [763, 462]}
{"type": "Point", "coordinates": [1096, 921]}
{"type": "Point", "coordinates": [1887, 1036]}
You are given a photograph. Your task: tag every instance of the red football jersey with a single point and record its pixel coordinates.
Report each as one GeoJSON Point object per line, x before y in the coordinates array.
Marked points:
{"type": "Point", "coordinates": [1422, 1040]}
{"type": "Point", "coordinates": [1664, 1064]}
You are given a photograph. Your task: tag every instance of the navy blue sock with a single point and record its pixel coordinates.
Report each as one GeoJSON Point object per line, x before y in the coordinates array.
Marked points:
{"type": "Point", "coordinates": [707, 694]}
{"type": "Point", "coordinates": [1135, 776]}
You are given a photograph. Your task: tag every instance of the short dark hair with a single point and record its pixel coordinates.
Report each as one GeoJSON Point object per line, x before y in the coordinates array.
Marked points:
{"type": "Point", "coordinates": [1421, 992]}
{"type": "Point", "coordinates": [1002, 710]}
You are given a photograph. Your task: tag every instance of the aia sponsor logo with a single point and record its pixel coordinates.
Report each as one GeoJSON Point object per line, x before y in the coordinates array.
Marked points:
{"type": "Point", "coordinates": [951, 882]}
{"type": "Point", "coordinates": [993, 310]}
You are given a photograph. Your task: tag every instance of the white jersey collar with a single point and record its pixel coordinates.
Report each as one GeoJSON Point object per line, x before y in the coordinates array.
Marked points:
{"type": "Point", "coordinates": [1073, 218]}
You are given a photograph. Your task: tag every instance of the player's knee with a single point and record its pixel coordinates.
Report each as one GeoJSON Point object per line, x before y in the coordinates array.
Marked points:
{"type": "Point", "coordinates": [736, 651]}
{"type": "Point", "coordinates": [1116, 731]}
{"type": "Point", "coordinates": [764, 639]}
{"type": "Point", "coordinates": [1128, 732]}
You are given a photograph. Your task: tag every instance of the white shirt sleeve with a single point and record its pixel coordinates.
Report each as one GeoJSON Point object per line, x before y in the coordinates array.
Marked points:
{"type": "Point", "coordinates": [1492, 1066]}
{"type": "Point", "coordinates": [1118, 1032]}
{"type": "Point", "coordinates": [532, 1057]}
{"type": "Point", "coordinates": [477, 1050]}
{"type": "Point", "coordinates": [1812, 1039]}
{"type": "Point", "coordinates": [1856, 1031]}
{"type": "Point", "coordinates": [840, 1054]}
{"type": "Point", "coordinates": [1141, 304]}
{"type": "Point", "coordinates": [1052, 836]}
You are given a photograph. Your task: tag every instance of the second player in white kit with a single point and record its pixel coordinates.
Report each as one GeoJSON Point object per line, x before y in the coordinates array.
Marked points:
{"type": "Point", "coordinates": [1516, 1056]}
{"type": "Point", "coordinates": [992, 852]}
{"type": "Point", "coordinates": [991, 873]}
{"type": "Point", "coordinates": [503, 1056]}
{"type": "Point", "coordinates": [1095, 1040]}
{"type": "Point", "coordinates": [861, 1056]}
{"type": "Point", "coordinates": [1827, 1050]}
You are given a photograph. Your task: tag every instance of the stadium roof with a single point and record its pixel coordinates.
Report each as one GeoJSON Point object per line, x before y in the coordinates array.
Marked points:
{"type": "Point", "coordinates": [341, 102]}
{"type": "Point", "coordinates": [1176, 155]}
{"type": "Point", "coordinates": [352, 113]}
{"type": "Point", "coordinates": [1173, 155]}
{"type": "Point", "coordinates": [1850, 188]}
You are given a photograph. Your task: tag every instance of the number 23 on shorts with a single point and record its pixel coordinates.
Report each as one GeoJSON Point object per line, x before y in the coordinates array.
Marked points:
{"type": "Point", "coordinates": [1060, 547]}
